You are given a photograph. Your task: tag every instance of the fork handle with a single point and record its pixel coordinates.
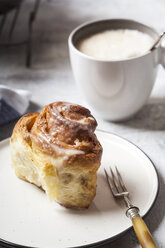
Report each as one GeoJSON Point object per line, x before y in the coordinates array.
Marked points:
{"type": "Point", "coordinates": [141, 229]}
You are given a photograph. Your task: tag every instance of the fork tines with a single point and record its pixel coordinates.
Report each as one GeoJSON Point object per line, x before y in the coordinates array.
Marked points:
{"type": "Point", "coordinates": [116, 183]}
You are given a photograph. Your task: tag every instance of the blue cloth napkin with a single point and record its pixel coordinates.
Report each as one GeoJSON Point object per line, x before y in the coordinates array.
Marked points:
{"type": "Point", "coordinates": [13, 103]}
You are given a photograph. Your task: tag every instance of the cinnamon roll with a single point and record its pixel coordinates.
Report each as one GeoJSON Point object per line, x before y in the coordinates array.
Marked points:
{"type": "Point", "coordinates": [58, 151]}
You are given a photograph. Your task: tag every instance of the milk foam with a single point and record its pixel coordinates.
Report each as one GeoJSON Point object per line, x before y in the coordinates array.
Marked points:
{"type": "Point", "coordinates": [116, 44]}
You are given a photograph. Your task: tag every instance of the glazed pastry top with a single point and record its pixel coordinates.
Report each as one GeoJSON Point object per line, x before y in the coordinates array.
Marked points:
{"type": "Point", "coordinates": [62, 128]}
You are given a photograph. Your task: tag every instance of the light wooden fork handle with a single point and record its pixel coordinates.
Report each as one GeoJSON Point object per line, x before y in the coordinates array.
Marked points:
{"type": "Point", "coordinates": [143, 234]}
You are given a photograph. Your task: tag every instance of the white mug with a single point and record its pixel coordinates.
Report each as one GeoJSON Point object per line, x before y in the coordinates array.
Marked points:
{"type": "Point", "coordinates": [116, 90]}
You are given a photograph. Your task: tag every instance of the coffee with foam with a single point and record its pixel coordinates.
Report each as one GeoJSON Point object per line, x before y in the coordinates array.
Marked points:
{"type": "Point", "coordinates": [116, 44]}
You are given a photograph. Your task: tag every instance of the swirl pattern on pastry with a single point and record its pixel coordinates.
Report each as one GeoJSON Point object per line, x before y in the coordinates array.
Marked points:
{"type": "Point", "coordinates": [65, 128]}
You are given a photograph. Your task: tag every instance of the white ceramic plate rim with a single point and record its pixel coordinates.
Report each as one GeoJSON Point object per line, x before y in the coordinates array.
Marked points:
{"type": "Point", "coordinates": [6, 243]}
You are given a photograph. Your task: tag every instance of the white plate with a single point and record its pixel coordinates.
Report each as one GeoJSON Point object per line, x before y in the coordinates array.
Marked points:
{"type": "Point", "coordinates": [28, 218]}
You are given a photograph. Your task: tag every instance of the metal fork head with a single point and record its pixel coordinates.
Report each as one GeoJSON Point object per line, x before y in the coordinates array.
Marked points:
{"type": "Point", "coordinates": [117, 186]}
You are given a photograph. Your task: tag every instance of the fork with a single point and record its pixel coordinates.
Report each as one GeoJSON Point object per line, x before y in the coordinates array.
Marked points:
{"type": "Point", "coordinates": [119, 191]}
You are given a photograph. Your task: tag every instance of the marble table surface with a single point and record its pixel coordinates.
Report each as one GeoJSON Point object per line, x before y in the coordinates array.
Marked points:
{"type": "Point", "coordinates": [50, 79]}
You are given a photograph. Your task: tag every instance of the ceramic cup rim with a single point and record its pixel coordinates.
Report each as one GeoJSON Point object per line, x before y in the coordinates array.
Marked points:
{"type": "Point", "coordinates": [97, 21]}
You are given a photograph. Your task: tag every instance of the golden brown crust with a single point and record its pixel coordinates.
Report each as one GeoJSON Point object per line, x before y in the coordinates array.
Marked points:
{"type": "Point", "coordinates": [62, 129]}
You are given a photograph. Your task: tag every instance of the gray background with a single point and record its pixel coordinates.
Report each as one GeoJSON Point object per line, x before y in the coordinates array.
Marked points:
{"type": "Point", "coordinates": [50, 79]}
